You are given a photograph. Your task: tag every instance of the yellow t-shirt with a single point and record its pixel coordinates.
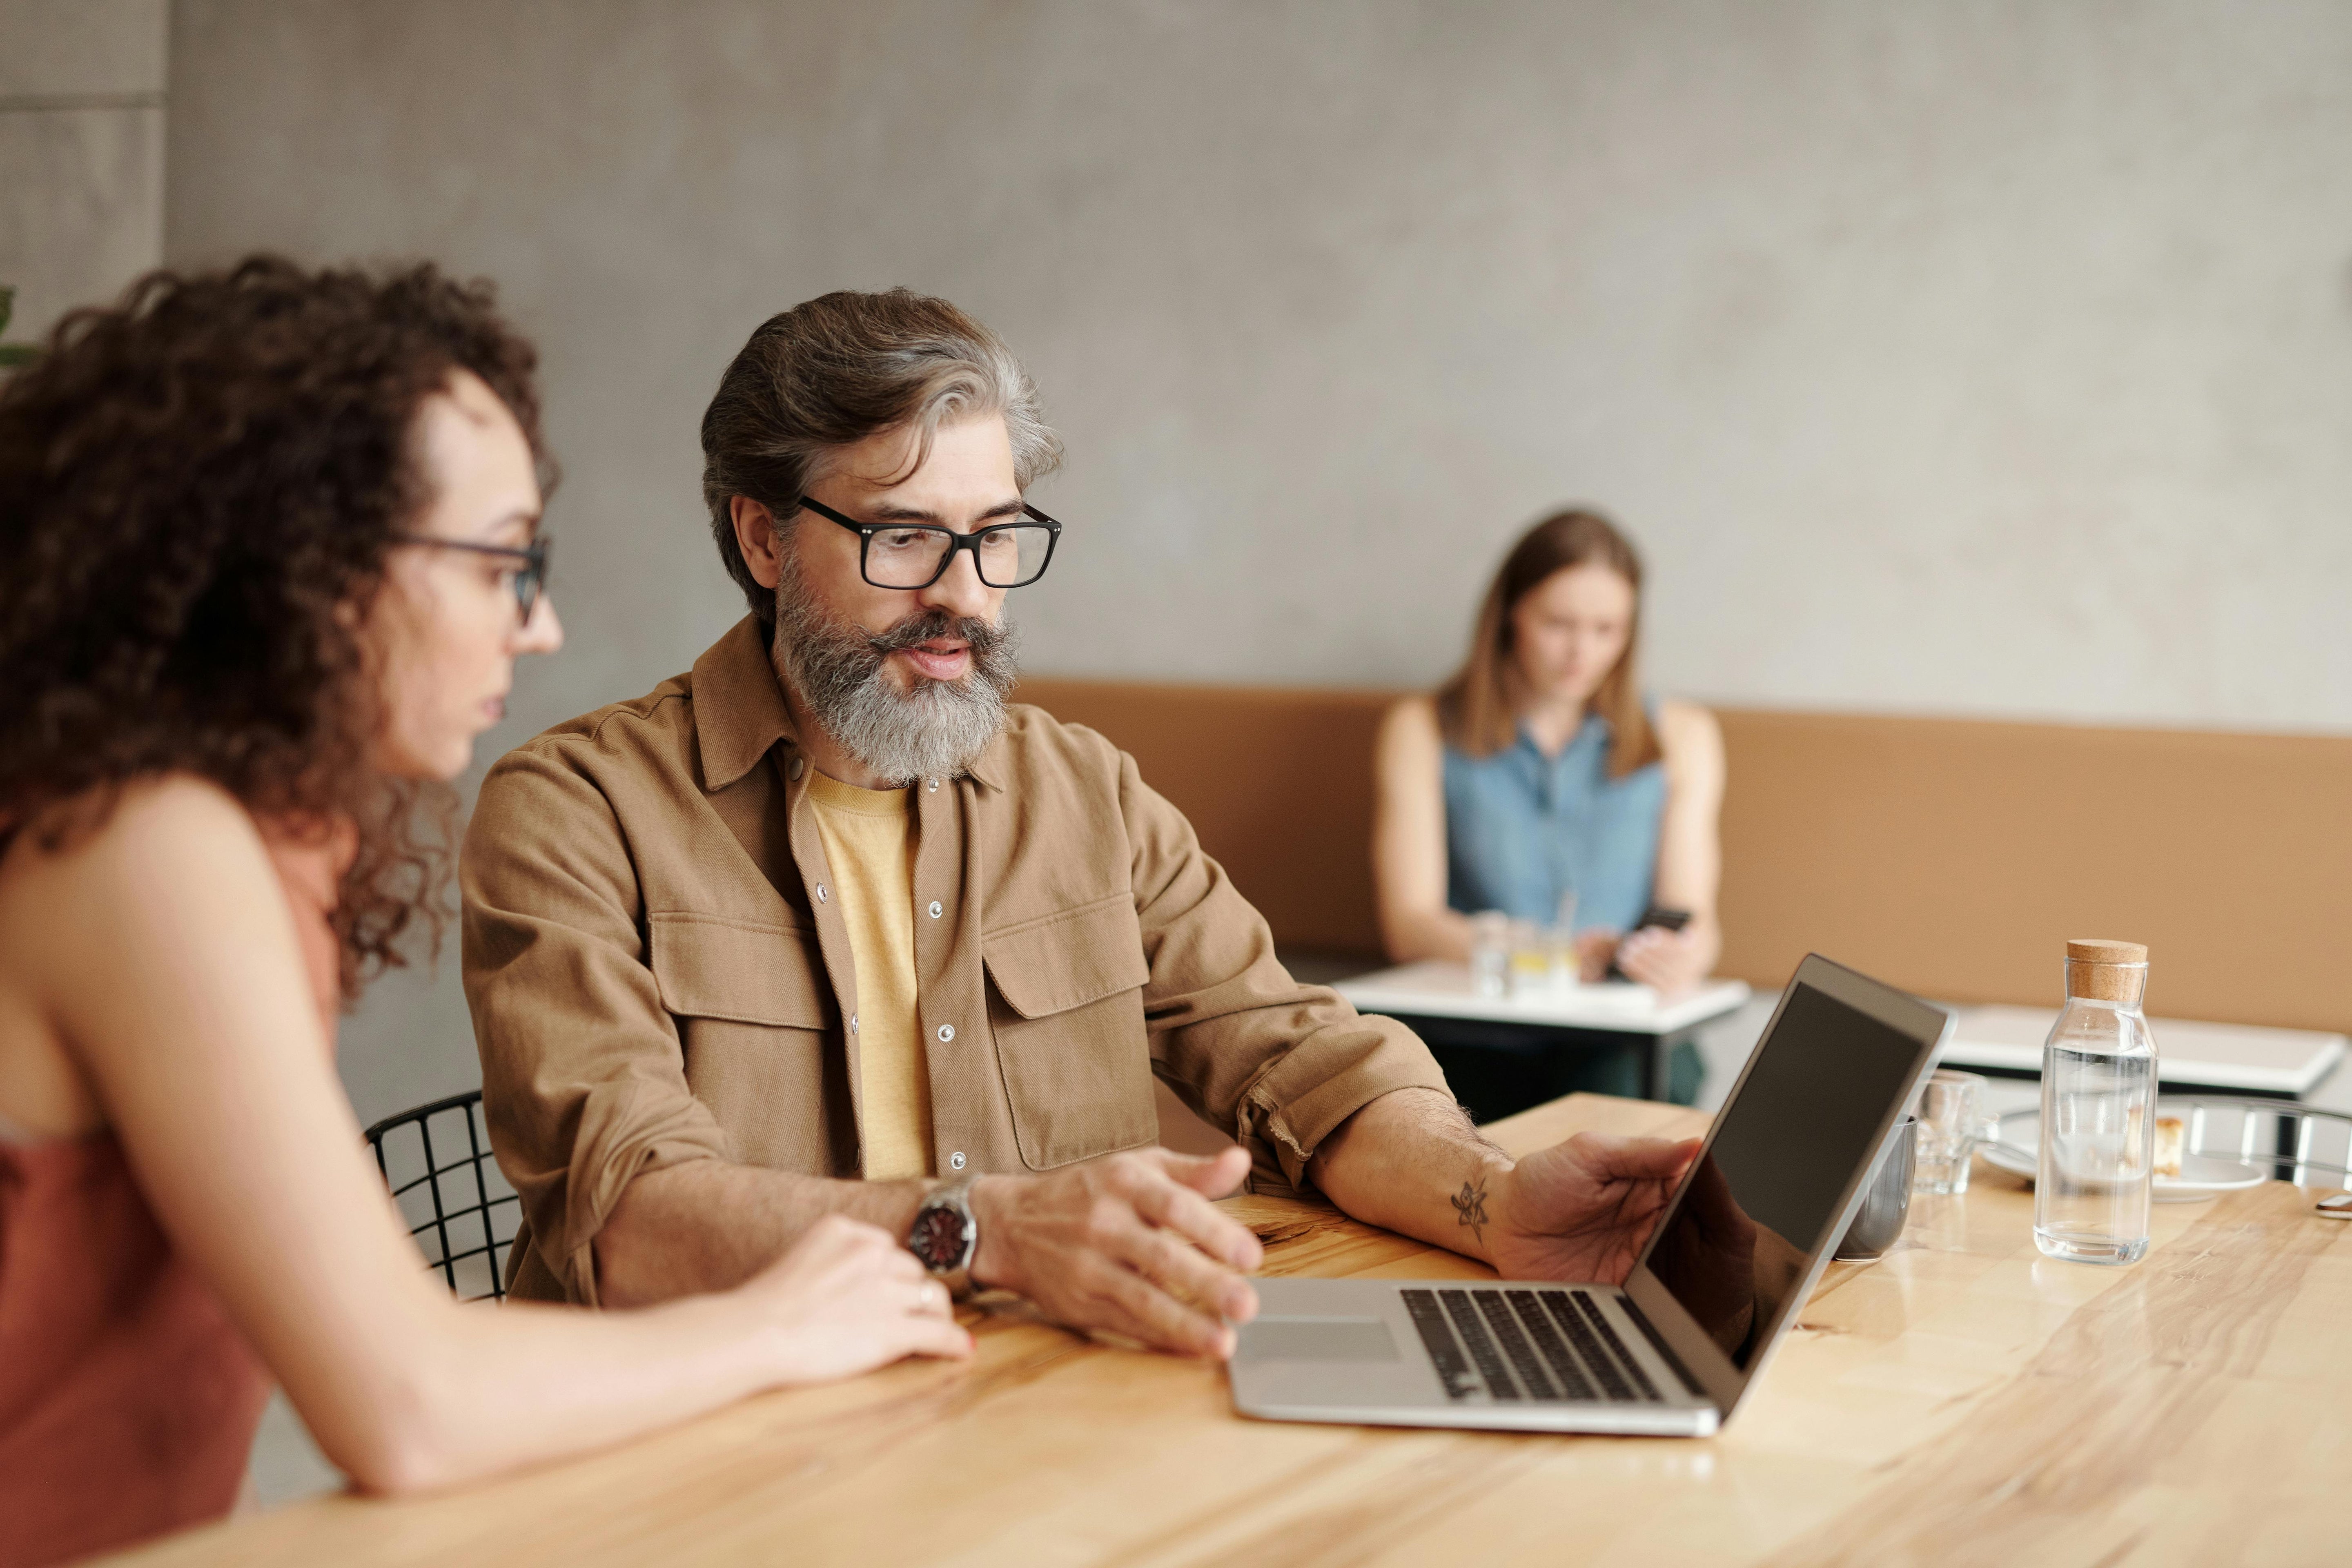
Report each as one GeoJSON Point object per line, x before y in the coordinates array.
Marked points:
{"type": "Point", "coordinates": [869, 841]}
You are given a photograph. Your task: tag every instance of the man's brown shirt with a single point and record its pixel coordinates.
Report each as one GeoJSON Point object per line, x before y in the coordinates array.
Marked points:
{"type": "Point", "coordinates": [659, 972]}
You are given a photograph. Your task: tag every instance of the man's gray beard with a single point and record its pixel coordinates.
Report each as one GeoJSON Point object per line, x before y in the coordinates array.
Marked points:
{"type": "Point", "coordinates": [936, 730]}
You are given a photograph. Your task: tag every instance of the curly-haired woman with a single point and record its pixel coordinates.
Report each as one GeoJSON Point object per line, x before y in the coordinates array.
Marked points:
{"type": "Point", "coordinates": [268, 548]}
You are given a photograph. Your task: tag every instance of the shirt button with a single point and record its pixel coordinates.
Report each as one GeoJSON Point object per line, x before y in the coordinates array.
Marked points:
{"type": "Point", "coordinates": [820, 892]}
{"type": "Point", "coordinates": [932, 784]}
{"type": "Point", "coordinates": [798, 764]}
{"type": "Point", "coordinates": [946, 1033]}
{"type": "Point", "coordinates": [937, 908]}
{"type": "Point", "coordinates": [955, 1161]}
{"type": "Point", "coordinates": [853, 1022]}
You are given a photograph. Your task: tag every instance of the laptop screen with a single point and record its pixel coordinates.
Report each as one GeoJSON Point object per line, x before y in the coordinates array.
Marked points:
{"type": "Point", "coordinates": [1747, 1221]}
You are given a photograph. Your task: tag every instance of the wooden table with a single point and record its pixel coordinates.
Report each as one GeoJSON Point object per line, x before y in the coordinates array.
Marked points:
{"type": "Point", "coordinates": [1961, 1400]}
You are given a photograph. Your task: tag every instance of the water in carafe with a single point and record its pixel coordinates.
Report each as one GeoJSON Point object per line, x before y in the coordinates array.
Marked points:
{"type": "Point", "coordinates": [2098, 1110]}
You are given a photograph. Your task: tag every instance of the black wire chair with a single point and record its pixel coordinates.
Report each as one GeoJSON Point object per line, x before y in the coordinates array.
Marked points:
{"type": "Point", "coordinates": [462, 1213]}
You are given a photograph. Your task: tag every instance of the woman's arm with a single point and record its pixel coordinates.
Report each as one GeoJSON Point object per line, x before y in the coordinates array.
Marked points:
{"type": "Point", "coordinates": [1690, 855]}
{"type": "Point", "coordinates": [169, 965]}
{"type": "Point", "coordinates": [1409, 838]}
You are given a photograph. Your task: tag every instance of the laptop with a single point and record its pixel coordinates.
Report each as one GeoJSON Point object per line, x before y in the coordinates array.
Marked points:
{"type": "Point", "coordinates": [1673, 1350]}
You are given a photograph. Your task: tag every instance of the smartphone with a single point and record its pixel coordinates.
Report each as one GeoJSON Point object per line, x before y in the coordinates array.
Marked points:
{"type": "Point", "coordinates": [1663, 920]}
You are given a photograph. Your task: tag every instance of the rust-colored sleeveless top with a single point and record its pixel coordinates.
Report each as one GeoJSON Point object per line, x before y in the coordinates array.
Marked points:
{"type": "Point", "coordinates": [128, 1400]}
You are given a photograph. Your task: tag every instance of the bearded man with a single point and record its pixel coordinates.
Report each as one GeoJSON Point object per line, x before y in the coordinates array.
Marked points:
{"type": "Point", "coordinates": [825, 926]}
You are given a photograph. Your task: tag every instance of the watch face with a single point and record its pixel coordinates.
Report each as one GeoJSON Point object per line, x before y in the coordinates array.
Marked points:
{"type": "Point", "coordinates": [938, 1238]}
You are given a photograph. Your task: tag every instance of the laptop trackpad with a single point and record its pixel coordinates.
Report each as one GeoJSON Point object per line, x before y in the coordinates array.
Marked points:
{"type": "Point", "coordinates": [1318, 1339]}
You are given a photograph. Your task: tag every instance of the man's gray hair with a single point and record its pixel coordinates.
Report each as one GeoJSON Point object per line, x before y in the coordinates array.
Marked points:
{"type": "Point", "coordinates": [844, 366]}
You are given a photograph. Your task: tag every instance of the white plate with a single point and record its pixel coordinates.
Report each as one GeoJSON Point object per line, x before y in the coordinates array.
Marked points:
{"type": "Point", "coordinates": [2202, 1176]}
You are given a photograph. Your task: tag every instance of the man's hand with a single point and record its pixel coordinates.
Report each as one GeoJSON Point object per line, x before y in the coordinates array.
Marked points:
{"type": "Point", "coordinates": [1128, 1243]}
{"type": "Point", "coordinates": [1579, 1210]}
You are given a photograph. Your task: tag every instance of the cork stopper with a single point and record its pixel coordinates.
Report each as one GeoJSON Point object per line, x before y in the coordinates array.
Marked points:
{"type": "Point", "coordinates": [2104, 971]}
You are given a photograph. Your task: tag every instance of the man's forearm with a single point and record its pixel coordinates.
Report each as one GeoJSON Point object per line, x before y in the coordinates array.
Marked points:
{"type": "Point", "coordinates": [708, 1226]}
{"type": "Point", "coordinates": [1410, 1162]}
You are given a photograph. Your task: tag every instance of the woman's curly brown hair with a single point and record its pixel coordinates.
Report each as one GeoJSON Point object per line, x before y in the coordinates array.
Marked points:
{"type": "Point", "coordinates": [198, 486]}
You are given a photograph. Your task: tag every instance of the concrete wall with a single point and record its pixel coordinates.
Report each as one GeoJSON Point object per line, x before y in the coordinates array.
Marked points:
{"type": "Point", "coordinates": [81, 152]}
{"type": "Point", "coordinates": [1985, 358]}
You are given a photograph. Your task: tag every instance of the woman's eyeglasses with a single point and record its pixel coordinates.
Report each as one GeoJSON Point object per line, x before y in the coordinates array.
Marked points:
{"type": "Point", "coordinates": [918, 555]}
{"type": "Point", "coordinates": [530, 577]}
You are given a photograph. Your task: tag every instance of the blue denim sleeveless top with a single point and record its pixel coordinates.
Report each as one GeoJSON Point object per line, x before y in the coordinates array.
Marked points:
{"type": "Point", "coordinates": [1522, 828]}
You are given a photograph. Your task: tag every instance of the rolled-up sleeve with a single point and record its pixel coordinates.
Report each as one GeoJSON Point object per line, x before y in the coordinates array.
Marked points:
{"type": "Point", "coordinates": [1277, 1063]}
{"type": "Point", "coordinates": [583, 1082]}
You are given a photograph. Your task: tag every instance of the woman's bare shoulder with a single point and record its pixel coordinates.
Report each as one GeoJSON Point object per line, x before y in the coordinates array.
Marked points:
{"type": "Point", "coordinates": [1408, 731]}
{"type": "Point", "coordinates": [71, 893]}
{"type": "Point", "coordinates": [1413, 717]}
{"type": "Point", "coordinates": [1691, 743]}
{"type": "Point", "coordinates": [1687, 725]}
{"type": "Point", "coordinates": [152, 829]}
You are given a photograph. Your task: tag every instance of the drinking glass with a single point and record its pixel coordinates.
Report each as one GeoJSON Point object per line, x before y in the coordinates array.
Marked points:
{"type": "Point", "coordinates": [1530, 958]}
{"type": "Point", "coordinates": [1559, 937]}
{"type": "Point", "coordinates": [1567, 967]}
{"type": "Point", "coordinates": [1951, 1124]}
{"type": "Point", "coordinates": [1490, 952]}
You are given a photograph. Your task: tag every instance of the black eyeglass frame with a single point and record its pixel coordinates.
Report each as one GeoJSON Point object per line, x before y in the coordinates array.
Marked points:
{"type": "Point", "coordinates": [530, 578]}
{"type": "Point", "coordinates": [867, 531]}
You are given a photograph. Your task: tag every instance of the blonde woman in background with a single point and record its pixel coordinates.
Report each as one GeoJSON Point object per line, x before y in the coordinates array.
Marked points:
{"type": "Point", "coordinates": [1539, 771]}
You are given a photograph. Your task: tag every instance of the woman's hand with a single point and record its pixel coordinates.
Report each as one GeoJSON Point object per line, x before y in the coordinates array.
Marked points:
{"type": "Point", "coordinates": [1596, 950]}
{"type": "Point", "coordinates": [1669, 961]}
{"type": "Point", "coordinates": [848, 1299]}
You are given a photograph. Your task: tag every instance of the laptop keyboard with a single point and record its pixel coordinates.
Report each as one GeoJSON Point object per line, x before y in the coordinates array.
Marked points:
{"type": "Point", "coordinates": [1569, 1367]}
{"type": "Point", "coordinates": [1538, 1344]}
{"type": "Point", "coordinates": [1482, 1348]}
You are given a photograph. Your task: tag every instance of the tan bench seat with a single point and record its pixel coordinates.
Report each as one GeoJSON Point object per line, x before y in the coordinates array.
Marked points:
{"type": "Point", "coordinates": [1953, 856]}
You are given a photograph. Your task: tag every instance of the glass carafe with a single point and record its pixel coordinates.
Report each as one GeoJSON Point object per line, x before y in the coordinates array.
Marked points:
{"type": "Point", "coordinates": [2098, 1110]}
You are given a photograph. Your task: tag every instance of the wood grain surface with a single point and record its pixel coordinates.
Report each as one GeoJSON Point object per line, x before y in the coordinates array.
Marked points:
{"type": "Point", "coordinates": [1962, 1400]}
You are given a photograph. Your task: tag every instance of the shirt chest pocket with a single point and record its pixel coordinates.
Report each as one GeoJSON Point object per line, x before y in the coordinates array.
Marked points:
{"type": "Point", "coordinates": [754, 1018]}
{"type": "Point", "coordinates": [1066, 1005]}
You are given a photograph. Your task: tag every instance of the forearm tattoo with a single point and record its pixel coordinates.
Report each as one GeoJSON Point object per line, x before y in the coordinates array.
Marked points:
{"type": "Point", "coordinates": [1470, 1207]}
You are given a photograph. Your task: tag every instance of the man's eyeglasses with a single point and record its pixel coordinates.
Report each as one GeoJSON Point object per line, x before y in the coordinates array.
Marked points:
{"type": "Point", "coordinates": [918, 555]}
{"type": "Point", "coordinates": [531, 576]}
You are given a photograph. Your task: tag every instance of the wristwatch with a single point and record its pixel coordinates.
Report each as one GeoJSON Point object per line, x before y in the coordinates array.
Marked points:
{"type": "Point", "coordinates": [945, 1236]}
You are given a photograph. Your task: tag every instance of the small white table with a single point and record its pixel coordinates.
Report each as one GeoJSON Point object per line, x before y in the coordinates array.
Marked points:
{"type": "Point", "coordinates": [2240, 1056]}
{"type": "Point", "coordinates": [1613, 1014]}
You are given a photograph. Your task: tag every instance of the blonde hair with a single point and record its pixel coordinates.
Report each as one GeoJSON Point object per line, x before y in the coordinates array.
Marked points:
{"type": "Point", "coordinates": [1476, 710]}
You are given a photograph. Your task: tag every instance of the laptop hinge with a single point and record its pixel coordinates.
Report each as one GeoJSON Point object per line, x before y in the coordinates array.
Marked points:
{"type": "Point", "coordinates": [1658, 1344]}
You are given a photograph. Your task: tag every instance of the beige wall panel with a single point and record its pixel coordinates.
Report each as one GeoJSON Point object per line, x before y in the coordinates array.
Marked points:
{"type": "Point", "coordinates": [82, 207]}
{"type": "Point", "coordinates": [1991, 360]}
{"type": "Point", "coordinates": [50, 47]}
{"type": "Point", "coordinates": [81, 152]}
